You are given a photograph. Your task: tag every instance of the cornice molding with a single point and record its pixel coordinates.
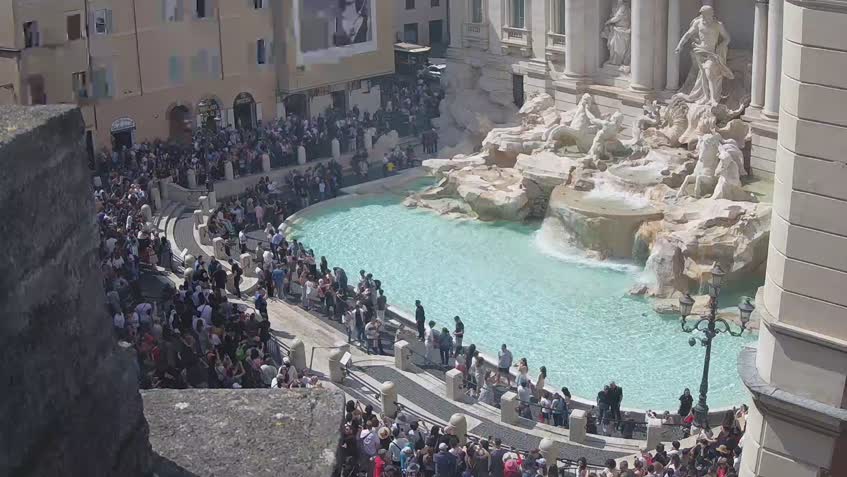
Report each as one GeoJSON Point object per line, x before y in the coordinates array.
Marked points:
{"type": "Point", "coordinates": [837, 6]}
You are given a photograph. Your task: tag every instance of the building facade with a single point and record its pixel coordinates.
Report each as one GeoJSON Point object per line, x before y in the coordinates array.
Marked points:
{"type": "Point", "coordinates": [422, 22]}
{"type": "Point", "coordinates": [159, 69]}
{"type": "Point", "coordinates": [797, 426]}
{"type": "Point", "coordinates": [560, 47]}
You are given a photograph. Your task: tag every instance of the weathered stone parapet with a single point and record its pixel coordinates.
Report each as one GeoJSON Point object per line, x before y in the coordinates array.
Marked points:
{"type": "Point", "coordinates": [267, 432]}
{"type": "Point", "coordinates": [70, 403]}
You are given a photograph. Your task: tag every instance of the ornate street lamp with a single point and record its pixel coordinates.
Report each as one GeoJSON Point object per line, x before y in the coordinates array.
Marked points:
{"type": "Point", "coordinates": [710, 325]}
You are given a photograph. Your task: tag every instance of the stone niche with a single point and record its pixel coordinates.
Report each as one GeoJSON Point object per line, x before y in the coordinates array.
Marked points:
{"type": "Point", "coordinates": [70, 403]}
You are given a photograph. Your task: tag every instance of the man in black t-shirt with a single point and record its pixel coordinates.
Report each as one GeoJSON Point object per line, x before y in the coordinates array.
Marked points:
{"type": "Point", "coordinates": [420, 319]}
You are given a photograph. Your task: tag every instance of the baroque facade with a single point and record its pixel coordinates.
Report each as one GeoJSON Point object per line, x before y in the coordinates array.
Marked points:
{"type": "Point", "coordinates": [623, 53]}
{"type": "Point", "coordinates": [783, 62]}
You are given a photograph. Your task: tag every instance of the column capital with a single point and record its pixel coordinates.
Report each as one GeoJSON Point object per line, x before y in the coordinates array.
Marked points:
{"type": "Point", "coordinates": [763, 2]}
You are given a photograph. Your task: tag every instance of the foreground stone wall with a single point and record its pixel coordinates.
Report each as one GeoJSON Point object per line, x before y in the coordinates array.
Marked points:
{"type": "Point", "coordinates": [70, 403]}
{"type": "Point", "coordinates": [245, 432]}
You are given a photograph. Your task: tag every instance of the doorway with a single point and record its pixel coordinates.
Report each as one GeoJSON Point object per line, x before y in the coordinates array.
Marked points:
{"type": "Point", "coordinates": [123, 134]}
{"type": "Point", "coordinates": [517, 90]}
{"type": "Point", "coordinates": [297, 105]}
{"type": "Point", "coordinates": [436, 32]}
{"type": "Point", "coordinates": [244, 110]}
{"type": "Point", "coordinates": [339, 100]}
{"type": "Point", "coordinates": [179, 124]}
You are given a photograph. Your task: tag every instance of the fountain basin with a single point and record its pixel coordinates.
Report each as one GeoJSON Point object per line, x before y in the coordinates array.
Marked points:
{"type": "Point", "coordinates": [601, 222]}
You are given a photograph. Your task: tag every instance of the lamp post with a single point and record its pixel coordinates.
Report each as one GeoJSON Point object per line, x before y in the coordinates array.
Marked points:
{"type": "Point", "coordinates": [711, 326]}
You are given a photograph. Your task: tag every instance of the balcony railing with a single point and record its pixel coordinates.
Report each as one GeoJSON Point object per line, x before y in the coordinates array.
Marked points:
{"type": "Point", "coordinates": [517, 39]}
{"type": "Point", "coordinates": [475, 35]}
{"type": "Point", "coordinates": [556, 42]}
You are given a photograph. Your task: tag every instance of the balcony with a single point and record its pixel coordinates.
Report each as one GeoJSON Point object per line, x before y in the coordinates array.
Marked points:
{"type": "Point", "coordinates": [555, 44]}
{"type": "Point", "coordinates": [475, 35]}
{"type": "Point", "coordinates": [517, 39]}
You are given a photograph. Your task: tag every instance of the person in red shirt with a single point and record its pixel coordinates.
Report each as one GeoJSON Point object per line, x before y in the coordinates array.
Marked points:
{"type": "Point", "coordinates": [379, 463]}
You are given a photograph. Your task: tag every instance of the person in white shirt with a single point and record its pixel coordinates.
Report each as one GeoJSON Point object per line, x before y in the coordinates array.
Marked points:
{"type": "Point", "coordinates": [430, 340]}
{"type": "Point", "coordinates": [119, 321]}
{"type": "Point", "coordinates": [242, 241]}
{"type": "Point", "coordinates": [205, 313]}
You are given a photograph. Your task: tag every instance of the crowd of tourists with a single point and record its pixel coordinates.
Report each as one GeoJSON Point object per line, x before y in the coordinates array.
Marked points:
{"type": "Point", "coordinates": [400, 446]}
{"type": "Point", "coordinates": [407, 109]}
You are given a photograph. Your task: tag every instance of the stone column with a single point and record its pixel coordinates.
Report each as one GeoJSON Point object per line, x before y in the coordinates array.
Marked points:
{"type": "Point", "coordinates": [213, 199]}
{"type": "Point", "coordinates": [369, 139]}
{"type": "Point", "coordinates": [460, 425]}
{"type": "Point", "coordinates": [654, 433]}
{"type": "Point", "coordinates": [203, 232]}
{"type": "Point", "coordinates": [774, 63]}
{"type": "Point", "coordinates": [297, 354]}
{"type": "Point", "coordinates": [550, 450]}
{"type": "Point", "coordinates": [797, 424]}
{"type": "Point", "coordinates": [192, 179]}
{"type": "Point", "coordinates": [336, 149]}
{"type": "Point", "coordinates": [674, 35]}
{"type": "Point", "coordinates": [643, 40]}
{"type": "Point", "coordinates": [336, 369]}
{"type": "Point", "coordinates": [246, 264]}
{"type": "Point", "coordinates": [575, 44]}
{"type": "Point", "coordinates": [388, 398]}
{"type": "Point", "coordinates": [760, 54]}
{"type": "Point", "coordinates": [301, 155]}
{"type": "Point", "coordinates": [453, 382]}
{"type": "Point", "coordinates": [509, 408]}
{"type": "Point", "coordinates": [266, 163]}
{"type": "Point", "coordinates": [576, 423]}
{"type": "Point", "coordinates": [402, 355]}
{"type": "Point", "coordinates": [198, 218]}
{"type": "Point", "coordinates": [228, 173]}
{"type": "Point", "coordinates": [204, 205]}
{"type": "Point", "coordinates": [220, 251]}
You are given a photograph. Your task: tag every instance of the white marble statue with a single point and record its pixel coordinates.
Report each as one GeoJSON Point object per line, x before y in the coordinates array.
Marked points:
{"type": "Point", "coordinates": [650, 118]}
{"type": "Point", "coordinates": [606, 141]}
{"type": "Point", "coordinates": [618, 34]}
{"type": "Point", "coordinates": [703, 177]}
{"type": "Point", "coordinates": [709, 46]}
{"type": "Point", "coordinates": [577, 124]}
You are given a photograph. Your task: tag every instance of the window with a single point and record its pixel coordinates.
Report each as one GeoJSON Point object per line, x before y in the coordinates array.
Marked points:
{"type": "Point", "coordinates": [79, 82]}
{"type": "Point", "coordinates": [559, 16]}
{"type": "Point", "coordinates": [31, 35]}
{"type": "Point", "coordinates": [410, 33]}
{"type": "Point", "coordinates": [517, 20]}
{"type": "Point", "coordinates": [175, 69]}
{"type": "Point", "coordinates": [476, 11]}
{"type": "Point", "coordinates": [74, 24]}
{"type": "Point", "coordinates": [261, 52]}
{"type": "Point", "coordinates": [200, 65]}
{"type": "Point", "coordinates": [37, 94]}
{"type": "Point", "coordinates": [200, 9]}
{"type": "Point", "coordinates": [257, 4]}
{"type": "Point", "coordinates": [215, 64]}
{"type": "Point", "coordinates": [410, 4]}
{"type": "Point", "coordinates": [172, 10]}
{"type": "Point", "coordinates": [102, 82]}
{"type": "Point", "coordinates": [434, 3]}
{"type": "Point", "coordinates": [103, 21]}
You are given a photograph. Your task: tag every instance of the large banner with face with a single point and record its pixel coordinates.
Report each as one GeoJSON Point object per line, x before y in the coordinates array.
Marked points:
{"type": "Point", "coordinates": [329, 30]}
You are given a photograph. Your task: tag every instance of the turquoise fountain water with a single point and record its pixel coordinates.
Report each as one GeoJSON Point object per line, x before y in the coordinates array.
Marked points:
{"type": "Point", "coordinates": [512, 284]}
